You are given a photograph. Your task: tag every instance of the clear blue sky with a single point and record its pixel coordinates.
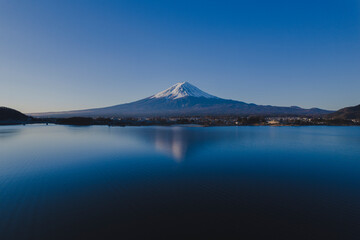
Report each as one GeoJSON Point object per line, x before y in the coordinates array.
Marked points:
{"type": "Point", "coordinates": [69, 54]}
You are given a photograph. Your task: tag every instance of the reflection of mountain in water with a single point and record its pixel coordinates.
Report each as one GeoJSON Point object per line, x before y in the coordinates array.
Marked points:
{"type": "Point", "coordinates": [173, 141]}
{"type": "Point", "coordinates": [181, 142]}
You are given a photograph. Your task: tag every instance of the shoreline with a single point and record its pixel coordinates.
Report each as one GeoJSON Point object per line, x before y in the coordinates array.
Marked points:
{"type": "Point", "coordinates": [184, 125]}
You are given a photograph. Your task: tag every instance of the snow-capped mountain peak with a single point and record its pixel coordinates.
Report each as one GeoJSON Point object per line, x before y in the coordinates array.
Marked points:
{"type": "Point", "coordinates": [181, 90]}
{"type": "Point", "coordinates": [184, 99]}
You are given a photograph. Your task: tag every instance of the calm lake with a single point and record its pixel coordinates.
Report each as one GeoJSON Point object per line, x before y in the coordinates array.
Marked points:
{"type": "Point", "coordinates": [99, 182]}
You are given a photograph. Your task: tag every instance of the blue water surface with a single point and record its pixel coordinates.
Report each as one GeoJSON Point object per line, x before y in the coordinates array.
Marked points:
{"type": "Point", "coordinates": [99, 182]}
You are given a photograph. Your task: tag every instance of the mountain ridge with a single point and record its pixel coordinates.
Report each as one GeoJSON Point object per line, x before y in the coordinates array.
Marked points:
{"type": "Point", "coordinates": [347, 113]}
{"type": "Point", "coordinates": [9, 115]}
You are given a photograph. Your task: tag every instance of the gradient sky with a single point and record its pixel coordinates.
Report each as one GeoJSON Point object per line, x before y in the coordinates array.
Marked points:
{"type": "Point", "coordinates": [65, 55]}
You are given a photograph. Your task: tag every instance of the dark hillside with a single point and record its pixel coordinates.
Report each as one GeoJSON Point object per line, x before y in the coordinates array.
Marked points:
{"type": "Point", "coordinates": [347, 113]}
{"type": "Point", "coordinates": [9, 115]}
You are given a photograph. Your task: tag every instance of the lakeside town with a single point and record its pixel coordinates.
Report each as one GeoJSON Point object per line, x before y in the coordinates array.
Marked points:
{"type": "Point", "coordinates": [203, 121]}
{"type": "Point", "coordinates": [343, 117]}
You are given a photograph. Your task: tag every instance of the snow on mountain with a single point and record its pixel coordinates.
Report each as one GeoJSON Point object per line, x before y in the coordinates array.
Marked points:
{"type": "Point", "coordinates": [181, 90]}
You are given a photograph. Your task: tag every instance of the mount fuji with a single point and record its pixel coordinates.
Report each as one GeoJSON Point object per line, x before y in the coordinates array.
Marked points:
{"type": "Point", "coordinates": [184, 99]}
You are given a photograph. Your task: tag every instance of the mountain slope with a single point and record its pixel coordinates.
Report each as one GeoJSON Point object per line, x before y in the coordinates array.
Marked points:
{"type": "Point", "coordinates": [347, 113]}
{"type": "Point", "coordinates": [184, 99]}
{"type": "Point", "coordinates": [11, 115]}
